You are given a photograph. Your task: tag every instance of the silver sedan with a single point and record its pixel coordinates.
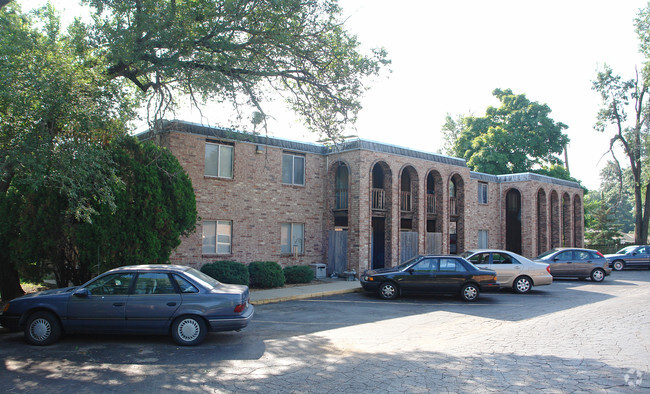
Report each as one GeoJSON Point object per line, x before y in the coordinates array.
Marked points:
{"type": "Point", "coordinates": [512, 269]}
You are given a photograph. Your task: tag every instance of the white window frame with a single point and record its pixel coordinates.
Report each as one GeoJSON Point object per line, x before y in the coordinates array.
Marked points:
{"type": "Point", "coordinates": [221, 172]}
{"type": "Point", "coordinates": [289, 232]}
{"type": "Point", "coordinates": [217, 237]}
{"type": "Point", "coordinates": [483, 239]}
{"type": "Point", "coordinates": [293, 157]}
{"type": "Point", "coordinates": [483, 193]}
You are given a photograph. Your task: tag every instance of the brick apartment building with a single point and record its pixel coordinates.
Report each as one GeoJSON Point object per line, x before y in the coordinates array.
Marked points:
{"type": "Point", "coordinates": [358, 205]}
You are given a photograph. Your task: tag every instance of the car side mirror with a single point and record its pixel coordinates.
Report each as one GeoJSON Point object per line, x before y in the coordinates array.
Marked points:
{"type": "Point", "coordinates": [410, 271]}
{"type": "Point", "coordinates": [82, 292]}
{"type": "Point", "coordinates": [556, 259]}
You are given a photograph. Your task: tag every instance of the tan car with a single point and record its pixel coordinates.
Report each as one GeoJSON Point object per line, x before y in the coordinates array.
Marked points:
{"type": "Point", "coordinates": [513, 270]}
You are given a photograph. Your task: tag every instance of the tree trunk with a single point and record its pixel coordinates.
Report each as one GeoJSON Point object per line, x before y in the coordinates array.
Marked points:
{"type": "Point", "coordinates": [646, 217]}
{"type": "Point", "coordinates": [9, 280]}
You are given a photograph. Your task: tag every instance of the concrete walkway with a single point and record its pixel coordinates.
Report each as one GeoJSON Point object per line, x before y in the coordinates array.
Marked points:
{"type": "Point", "coordinates": [322, 288]}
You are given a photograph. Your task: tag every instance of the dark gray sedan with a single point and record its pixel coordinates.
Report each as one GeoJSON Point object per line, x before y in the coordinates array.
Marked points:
{"type": "Point", "coordinates": [576, 263]}
{"type": "Point", "coordinates": [141, 299]}
{"type": "Point", "coordinates": [636, 256]}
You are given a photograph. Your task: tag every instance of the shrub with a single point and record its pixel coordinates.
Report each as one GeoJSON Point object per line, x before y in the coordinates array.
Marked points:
{"type": "Point", "coordinates": [265, 274]}
{"type": "Point", "coordinates": [298, 274]}
{"type": "Point", "coordinates": [227, 272]}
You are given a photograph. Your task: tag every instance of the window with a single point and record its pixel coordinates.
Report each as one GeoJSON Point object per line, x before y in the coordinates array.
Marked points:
{"type": "Point", "coordinates": [451, 265]}
{"type": "Point", "coordinates": [581, 255]}
{"type": "Point", "coordinates": [217, 237]}
{"type": "Point", "coordinates": [498, 258]}
{"type": "Point", "coordinates": [114, 284]}
{"type": "Point", "coordinates": [482, 193]}
{"type": "Point", "coordinates": [426, 265]}
{"type": "Point", "coordinates": [292, 238]}
{"type": "Point", "coordinates": [482, 239]}
{"type": "Point", "coordinates": [293, 169]}
{"type": "Point", "coordinates": [480, 258]}
{"type": "Point", "coordinates": [184, 285]}
{"type": "Point", "coordinates": [154, 283]}
{"type": "Point", "coordinates": [218, 160]}
{"type": "Point", "coordinates": [565, 256]}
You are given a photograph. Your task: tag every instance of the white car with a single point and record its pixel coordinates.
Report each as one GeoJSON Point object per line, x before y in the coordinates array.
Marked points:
{"type": "Point", "coordinates": [512, 269]}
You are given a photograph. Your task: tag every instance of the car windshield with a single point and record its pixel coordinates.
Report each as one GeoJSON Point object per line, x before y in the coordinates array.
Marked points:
{"type": "Point", "coordinates": [206, 280]}
{"type": "Point", "coordinates": [407, 263]}
{"type": "Point", "coordinates": [546, 254]}
{"type": "Point", "coordinates": [626, 250]}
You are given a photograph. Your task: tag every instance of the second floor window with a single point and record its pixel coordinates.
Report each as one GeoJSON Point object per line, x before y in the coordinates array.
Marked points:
{"type": "Point", "coordinates": [293, 169]}
{"type": "Point", "coordinates": [218, 160]}
{"type": "Point", "coordinates": [482, 193]}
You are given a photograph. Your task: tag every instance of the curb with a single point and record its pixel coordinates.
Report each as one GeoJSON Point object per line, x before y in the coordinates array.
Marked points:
{"type": "Point", "coordinates": [305, 296]}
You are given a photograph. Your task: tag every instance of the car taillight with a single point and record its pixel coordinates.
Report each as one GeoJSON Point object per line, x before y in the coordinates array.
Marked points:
{"type": "Point", "coordinates": [600, 254]}
{"type": "Point", "coordinates": [548, 269]}
{"type": "Point", "coordinates": [240, 308]}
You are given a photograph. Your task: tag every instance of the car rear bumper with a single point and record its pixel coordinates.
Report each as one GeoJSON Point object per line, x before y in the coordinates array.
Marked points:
{"type": "Point", "coordinates": [232, 323]}
{"type": "Point", "coordinates": [542, 280]}
{"type": "Point", "coordinates": [490, 287]}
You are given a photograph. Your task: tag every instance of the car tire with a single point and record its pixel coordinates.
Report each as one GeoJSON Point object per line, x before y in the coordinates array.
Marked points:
{"type": "Point", "coordinates": [597, 275]}
{"type": "Point", "coordinates": [189, 330]}
{"type": "Point", "coordinates": [388, 291]}
{"type": "Point", "coordinates": [522, 285]}
{"type": "Point", "coordinates": [469, 292]}
{"type": "Point", "coordinates": [618, 265]}
{"type": "Point", "coordinates": [42, 328]}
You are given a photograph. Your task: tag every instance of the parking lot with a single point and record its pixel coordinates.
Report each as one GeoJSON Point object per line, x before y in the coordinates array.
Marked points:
{"type": "Point", "coordinates": [569, 336]}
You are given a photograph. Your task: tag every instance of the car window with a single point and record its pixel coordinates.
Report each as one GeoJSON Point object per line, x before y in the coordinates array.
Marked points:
{"type": "Point", "coordinates": [642, 250]}
{"type": "Point", "coordinates": [426, 265]}
{"type": "Point", "coordinates": [480, 258]}
{"type": "Point", "coordinates": [499, 258]}
{"type": "Point", "coordinates": [184, 285]}
{"type": "Point", "coordinates": [153, 283]}
{"type": "Point", "coordinates": [113, 284]}
{"type": "Point", "coordinates": [581, 255]}
{"type": "Point", "coordinates": [565, 256]}
{"type": "Point", "coordinates": [451, 265]}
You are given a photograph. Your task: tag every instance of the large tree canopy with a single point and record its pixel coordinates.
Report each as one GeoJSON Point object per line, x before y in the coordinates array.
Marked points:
{"type": "Point", "coordinates": [518, 136]}
{"type": "Point", "coordinates": [240, 51]}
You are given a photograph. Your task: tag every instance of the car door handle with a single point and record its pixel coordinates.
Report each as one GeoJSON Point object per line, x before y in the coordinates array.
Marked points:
{"type": "Point", "coordinates": [118, 304]}
{"type": "Point", "coordinates": [171, 304]}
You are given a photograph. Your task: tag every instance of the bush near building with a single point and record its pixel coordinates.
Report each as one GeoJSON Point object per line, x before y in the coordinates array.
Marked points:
{"type": "Point", "coordinates": [227, 272]}
{"type": "Point", "coordinates": [265, 274]}
{"type": "Point", "coordinates": [298, 274]}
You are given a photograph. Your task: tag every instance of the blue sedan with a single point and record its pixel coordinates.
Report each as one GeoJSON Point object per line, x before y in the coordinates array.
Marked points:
{"type": "Point", "coordinates": [142, 299]}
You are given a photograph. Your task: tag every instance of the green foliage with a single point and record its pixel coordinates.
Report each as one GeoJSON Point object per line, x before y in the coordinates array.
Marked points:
{"type": "Point", "coordinates": [265, 274]}
{"type": "Point", "coordinates": [519, 136]}
{"type": "Point", "coordinates": [599, 221]}
{"type": "Point", "coordinates": [238, 50]}
{"type": "Point", "coordinates": [298, 274]}
{"type": "Point", "coordinates": [227, 272]}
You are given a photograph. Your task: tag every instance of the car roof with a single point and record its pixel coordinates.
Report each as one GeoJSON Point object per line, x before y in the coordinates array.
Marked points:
{"type": "Point", "coordinates": [152, 267]}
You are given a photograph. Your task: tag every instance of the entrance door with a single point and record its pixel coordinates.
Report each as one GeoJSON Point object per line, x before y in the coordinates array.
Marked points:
{"type": "Point", "coordinates": [378, 243]}
{"type": "Point", "coordinates": [337, 252]}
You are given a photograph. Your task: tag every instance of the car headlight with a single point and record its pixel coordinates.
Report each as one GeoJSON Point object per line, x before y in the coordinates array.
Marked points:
{"type": "Point", "coordinates": [6, 308]}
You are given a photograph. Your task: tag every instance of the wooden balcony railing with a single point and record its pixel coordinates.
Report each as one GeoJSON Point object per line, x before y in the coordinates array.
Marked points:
{"type": "Point", "coordinates": [431, 203]}
{"type": "Point", "coordinates": [341, 196]}
{"type": "Point", "coordinates": [405, 201]}
{"type": "Point", "coordinates": [378, 199]}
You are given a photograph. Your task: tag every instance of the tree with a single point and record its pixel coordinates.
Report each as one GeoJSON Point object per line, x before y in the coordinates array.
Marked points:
{"type": "Point", "coordinates": [238, 50]}
{"type": "Point", "coordinates": [518, 136]}
{"type": "Point", "coordinates": [629, 132]}
{"type": "Point", "coordinates": [56, 111]}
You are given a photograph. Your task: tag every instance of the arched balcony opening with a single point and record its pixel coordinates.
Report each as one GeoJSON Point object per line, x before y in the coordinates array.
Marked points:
{"type": "Point", "coordinates": [542, 222]}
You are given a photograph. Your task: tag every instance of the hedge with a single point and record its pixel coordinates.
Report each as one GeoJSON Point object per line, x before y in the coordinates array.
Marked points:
{"type": "Point", "coordinates": [227, 272]}
{"type": "Point", "coordinates": [265, 274]}
{"type": "Point", "coordinates": [298, 274]}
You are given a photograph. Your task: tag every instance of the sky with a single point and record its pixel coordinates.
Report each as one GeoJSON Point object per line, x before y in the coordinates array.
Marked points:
{"type": "Point", "coordinates": [448, 57]}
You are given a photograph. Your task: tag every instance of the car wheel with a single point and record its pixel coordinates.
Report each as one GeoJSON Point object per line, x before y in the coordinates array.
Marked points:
{"type": "Point", "coordinates": [388, 291]}
{"type": "Point", "coordinates": [618, 265]}
{"type": "Point", "coordinates": [189, 330]}
{"type": "Point", "coordinates": [522, 285]}
{"type": "Point", "coordinates": [597, 275]}
{"type": "Point", "coordinates": [469, 292]}
{"type": "Point", "coordinates": [42, 328]}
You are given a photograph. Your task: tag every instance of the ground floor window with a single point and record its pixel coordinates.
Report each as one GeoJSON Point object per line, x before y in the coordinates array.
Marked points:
{"type": "Point", "coordinates": [482, 239]}
{"type": "Point", "coordinates": [292, 238]}
{"type": "Point", "coordinates": [217, 237]}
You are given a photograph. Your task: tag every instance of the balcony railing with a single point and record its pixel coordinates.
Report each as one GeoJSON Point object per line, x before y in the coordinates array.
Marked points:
{"type": "Point", "coordinates": [341, 196]}
{"type": "Point", "coordinates": [378, 199]}
{"type": "Point", "coordinates": [453, 206]}
{"type": "Point", "coordinates": [431, 203]}
{"type": "Point", "coordinates": [405, 201]}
